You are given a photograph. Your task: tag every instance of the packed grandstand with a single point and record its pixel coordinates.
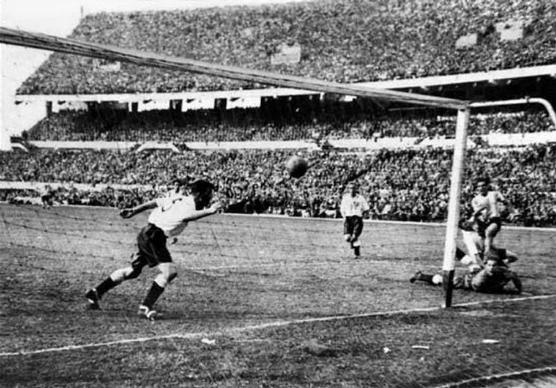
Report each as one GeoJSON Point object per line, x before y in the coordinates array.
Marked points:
{"type": "Point", "coordinates": [404, 149]}
{"type": "Point", "coordinates": [343, 41]}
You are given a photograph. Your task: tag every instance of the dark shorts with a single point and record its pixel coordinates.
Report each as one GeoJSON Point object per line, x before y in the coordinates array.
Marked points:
{"type": "Point", "coordinates": [353, 226]}
{"type": "Point", "coordinates": [151, 242]}
{"type": "Point", "coordinates": [499, 254]}
{"type": "Point", "coordinates": [482, 226]}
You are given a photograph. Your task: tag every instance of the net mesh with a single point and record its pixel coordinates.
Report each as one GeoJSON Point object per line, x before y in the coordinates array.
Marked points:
{"type": "Point", "coordinates": [282, 298]}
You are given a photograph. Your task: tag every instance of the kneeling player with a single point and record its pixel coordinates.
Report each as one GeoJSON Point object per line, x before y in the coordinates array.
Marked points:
{"type": "Point", "coordinates": [169, 217]}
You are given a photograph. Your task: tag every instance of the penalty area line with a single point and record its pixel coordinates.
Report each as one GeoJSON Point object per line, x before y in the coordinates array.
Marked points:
{"type": "Point", "coordinates": [105, 344]}
{"type": "Point", "coordinates": [232, 330]}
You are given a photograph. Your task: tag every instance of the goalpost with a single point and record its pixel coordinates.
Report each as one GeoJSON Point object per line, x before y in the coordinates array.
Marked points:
{"type": "Point", "coordinates": [77, 47]}
{"type": "Point", "coordinates": [458, 165]}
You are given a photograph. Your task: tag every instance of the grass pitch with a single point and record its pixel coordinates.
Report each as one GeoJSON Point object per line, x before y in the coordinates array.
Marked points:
{"type": "Point", "coordinates": [262, 301]}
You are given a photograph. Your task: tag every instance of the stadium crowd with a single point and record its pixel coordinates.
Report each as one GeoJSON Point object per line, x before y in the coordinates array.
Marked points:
{"type": "Point", "coordinates": [247, 125]}
{"type": "Point", "coordinates": [399, 184]}
{"type": "Point", "coordinates": [340, 40]}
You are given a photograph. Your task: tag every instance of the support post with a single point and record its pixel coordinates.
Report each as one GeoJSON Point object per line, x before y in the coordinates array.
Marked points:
{"type": "Point", "coordinates": [458, 164]}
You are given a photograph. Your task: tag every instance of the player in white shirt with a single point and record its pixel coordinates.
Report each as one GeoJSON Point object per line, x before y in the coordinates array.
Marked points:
{"type": "Point", "coordinates": [168, 219]}
{"type": "Point", "coordinates": [486, 213]}
{"type": "Point", "coordinates": [353, 207]}
{"type": "Point", "coordinates": [47, 194]}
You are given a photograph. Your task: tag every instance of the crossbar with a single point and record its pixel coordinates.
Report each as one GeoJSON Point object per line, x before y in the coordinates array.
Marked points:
{"type": "Point", "coordinates": [96, 50]}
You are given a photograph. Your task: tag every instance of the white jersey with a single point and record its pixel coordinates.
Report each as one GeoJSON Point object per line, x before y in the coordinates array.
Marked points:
{"type": "Point", "coordinates": [473, 242]}
{"type": "Point", "coordinates": [170, 212]}
{"type": "Point", "coordinates": [353, 206]}
{"type": "Point", "coordinates": [490, 204]}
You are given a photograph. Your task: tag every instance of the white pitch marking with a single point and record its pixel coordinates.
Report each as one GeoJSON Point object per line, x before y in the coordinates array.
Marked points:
{"type": "Point", "coordinates": [510, 375]}
{"type": "Point", "coordinates": [265, 326]}
{"type": "Point", "coordinates": [101, 344]}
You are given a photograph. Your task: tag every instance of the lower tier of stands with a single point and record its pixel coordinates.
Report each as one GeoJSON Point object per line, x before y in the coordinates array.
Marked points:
{"type": "Point", "coordinates": [404, 184]}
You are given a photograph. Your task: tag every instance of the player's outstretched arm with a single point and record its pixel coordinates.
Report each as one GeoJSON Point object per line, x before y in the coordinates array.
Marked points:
{"type": "Point", "coordinates": [214, 208]}
{"type": "Point", "coordinates": [517, 283]}
{"type": "Point", "coordinates": [130, 212]}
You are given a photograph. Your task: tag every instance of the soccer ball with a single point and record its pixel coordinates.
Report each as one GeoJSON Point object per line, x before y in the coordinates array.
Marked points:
{"type": "Point", "coordinates": [296, 166]}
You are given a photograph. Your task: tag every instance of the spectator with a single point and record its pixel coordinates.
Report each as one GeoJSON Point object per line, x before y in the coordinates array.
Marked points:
{"type": "Point", "coordinates": [361, 41]}
{"type": "Point", "coordinates": [256, 182]}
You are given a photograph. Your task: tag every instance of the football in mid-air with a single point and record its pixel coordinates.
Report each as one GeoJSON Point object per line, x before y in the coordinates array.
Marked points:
{"type": "Point", "coordinates": [296, 166]}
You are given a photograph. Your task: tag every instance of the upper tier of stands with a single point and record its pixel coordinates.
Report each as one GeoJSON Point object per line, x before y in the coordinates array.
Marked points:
{"type": "Point", "coordinates": [339, 40]}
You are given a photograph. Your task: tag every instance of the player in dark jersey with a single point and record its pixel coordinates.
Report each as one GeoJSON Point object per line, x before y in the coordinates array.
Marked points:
{"type": "Point", "coordinates": [492, 277]}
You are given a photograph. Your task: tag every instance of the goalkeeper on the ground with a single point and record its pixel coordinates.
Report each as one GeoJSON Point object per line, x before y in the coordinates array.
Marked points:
{"type": "Point", "coordinates": [494, 276]}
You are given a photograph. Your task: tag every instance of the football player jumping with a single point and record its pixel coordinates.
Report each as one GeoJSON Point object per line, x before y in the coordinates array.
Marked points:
{"type": "Point", "coordinates": [168, 219]}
